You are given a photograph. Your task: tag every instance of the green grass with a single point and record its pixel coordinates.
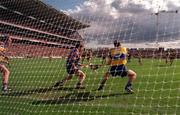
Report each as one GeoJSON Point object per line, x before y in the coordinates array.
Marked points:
{"type": "Point", "coordinates": [157, 90]}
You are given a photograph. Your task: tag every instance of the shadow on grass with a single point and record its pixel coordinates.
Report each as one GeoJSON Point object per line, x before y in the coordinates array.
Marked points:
{"type": "Point", "coordinates": [75, 98]}
{"type": "Point", "coordinates": [40, 90]}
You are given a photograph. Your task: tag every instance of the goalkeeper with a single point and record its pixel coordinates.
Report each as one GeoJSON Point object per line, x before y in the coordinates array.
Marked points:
{"type": "Point", "coordinates": [73, 67]}
{"type": "Point", "coordinates": [117, 62]}
{"type": "Point", "coordinates": [4, 70]}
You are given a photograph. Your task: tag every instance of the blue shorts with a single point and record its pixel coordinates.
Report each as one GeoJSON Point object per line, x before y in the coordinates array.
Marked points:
{"type": "Point", "coordinates": [70, 69]}
{"type": "Point", "coordinates": [118, 70]}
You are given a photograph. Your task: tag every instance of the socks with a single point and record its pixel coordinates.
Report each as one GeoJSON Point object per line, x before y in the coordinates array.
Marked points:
{"type": "Point", "coordinates": [129, 84]}
{"type": "Point", "coordinates": [5, 86]}
{"type": "Point", "coordinates": [102, 83]}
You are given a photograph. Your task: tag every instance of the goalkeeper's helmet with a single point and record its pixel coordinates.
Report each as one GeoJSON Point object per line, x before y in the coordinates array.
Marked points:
{"type": "Point", "coordinates": [117, 43]}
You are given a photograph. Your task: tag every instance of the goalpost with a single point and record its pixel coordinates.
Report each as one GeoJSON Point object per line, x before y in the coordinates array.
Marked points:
{"type": "Point", "coordinates": [43, 51]}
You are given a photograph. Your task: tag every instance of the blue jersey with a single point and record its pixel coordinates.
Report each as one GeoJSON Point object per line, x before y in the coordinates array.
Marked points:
{"type": "Point", "coordinates": [73, 61]}
{"type": "Point", "coordinates": [74, 57]}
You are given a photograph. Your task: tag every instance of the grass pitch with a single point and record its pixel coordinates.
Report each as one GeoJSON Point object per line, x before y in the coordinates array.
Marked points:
{"type": "Point", "coordinates": [157, 90]}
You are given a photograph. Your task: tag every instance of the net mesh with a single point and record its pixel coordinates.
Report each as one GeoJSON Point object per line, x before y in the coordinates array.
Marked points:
{"type": "Point", "coordinates": [40, 44]}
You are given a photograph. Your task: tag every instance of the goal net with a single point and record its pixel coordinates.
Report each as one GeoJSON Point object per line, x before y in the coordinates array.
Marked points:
{"type": "Point", "coordinates": [90, 57]}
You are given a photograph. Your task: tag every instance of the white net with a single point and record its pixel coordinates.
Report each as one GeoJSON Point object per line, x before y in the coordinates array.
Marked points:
{"type": "Point", "coordinates": [59, 57]}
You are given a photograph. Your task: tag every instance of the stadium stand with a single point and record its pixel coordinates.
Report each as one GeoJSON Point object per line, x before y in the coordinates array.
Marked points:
{"type": "Point", "coordinates": [42, 25]}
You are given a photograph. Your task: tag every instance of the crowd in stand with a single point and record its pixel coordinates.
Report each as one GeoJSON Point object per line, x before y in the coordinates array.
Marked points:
{"type": "Point", "coordinates": [30, 50]}
{"type": "Point", "coordinates": [144, 52]}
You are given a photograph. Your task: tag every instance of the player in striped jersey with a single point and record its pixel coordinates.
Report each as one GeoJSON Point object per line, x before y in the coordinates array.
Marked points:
{"type": "Point", "coordinates": [4, 70]}
{"type": "Point", "coordinates": [117, 62]}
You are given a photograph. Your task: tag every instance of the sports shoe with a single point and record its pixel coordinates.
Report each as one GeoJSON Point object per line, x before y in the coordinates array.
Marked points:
{"type": "Point", "coordinates": [100, 88]}
{"type": "Point", "coordinates": [5, 90]}
{"type": "Point", "coordinates": [58, 84]}
{"type": "Point", "coordinates": [129, 90]}
{"type": "Point", "coordinates": [79, 86]}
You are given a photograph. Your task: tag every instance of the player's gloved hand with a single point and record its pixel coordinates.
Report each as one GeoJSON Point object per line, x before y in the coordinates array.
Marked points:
{"type": "Point", "coordinates": [123, 56]}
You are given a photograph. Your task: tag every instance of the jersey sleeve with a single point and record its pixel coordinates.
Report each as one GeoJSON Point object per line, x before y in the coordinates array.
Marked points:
{"type": "Point", "coordinates": [124, 50]}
